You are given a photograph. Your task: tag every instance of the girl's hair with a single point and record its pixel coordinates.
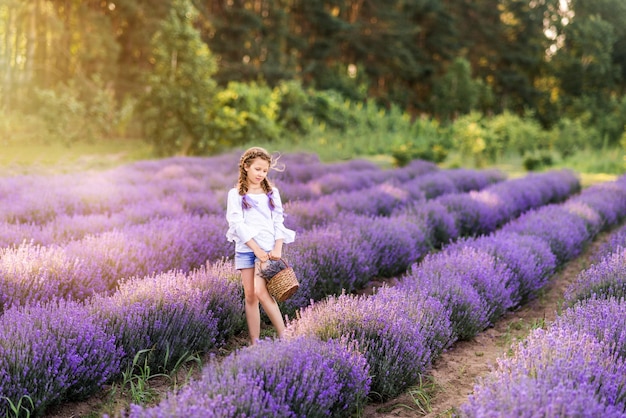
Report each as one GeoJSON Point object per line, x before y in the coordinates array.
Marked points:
{"type": "Point", "coordinates": [245, 161]}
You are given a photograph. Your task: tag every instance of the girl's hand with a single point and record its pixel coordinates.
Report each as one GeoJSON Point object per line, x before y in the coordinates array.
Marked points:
{"type": "Point", "coordinates": [262, 255]}
{"type": "Point", "coordinates": [275, 254]}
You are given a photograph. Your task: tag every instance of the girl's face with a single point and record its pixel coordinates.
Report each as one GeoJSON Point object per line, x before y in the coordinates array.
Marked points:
{"type": "Point", "coordinates": [257, 171]}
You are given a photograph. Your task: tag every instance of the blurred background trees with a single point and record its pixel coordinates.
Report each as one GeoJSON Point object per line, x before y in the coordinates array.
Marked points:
{"type": "Point", "coordinates": [199, 76]}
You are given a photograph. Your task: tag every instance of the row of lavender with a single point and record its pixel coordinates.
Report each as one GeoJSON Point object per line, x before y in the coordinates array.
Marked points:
{"type": "Point", "coordinates": [347, 252]}
{"type": "Point", "coordinates": [151, 311]}
{"type": "Point", "coordinates": [577, 366]}
{"type": "Point", "coordinates": [60, 208]}
{"type": "Point", "coordinates": [398, 331]}
{"type": "Point", "coordinates": [144, 240]}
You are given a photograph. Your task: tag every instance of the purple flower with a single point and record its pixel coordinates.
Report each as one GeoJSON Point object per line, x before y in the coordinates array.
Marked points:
{"type": "Point", "coordinates": [53, 352]}
{"type": "Point", "coordinates": [172, 314]}
{"type": "Point", "coordinates": [565, 232]}
{"type": "Point", "coordinates": [468, 282]}
{"type": "Point", "coordinates": [604, 279]}
{"type": "Point", "coordinates": [553, 373]}
{"type": "Point", "coordinates": [393, 329]}
{"type": "Point", "coordinates": [603, 318]}
{"type": "Point", "coordinates": [529, 259]}
{"type": "Point", "coordinates": [304, 377]}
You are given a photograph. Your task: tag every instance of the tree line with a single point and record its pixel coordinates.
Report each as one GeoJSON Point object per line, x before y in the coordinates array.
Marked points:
{"type": "Point", "coordinates": [433, 58]}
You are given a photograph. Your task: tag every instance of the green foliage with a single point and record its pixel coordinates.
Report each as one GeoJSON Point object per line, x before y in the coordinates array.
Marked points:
{"type": "Point", "coordinates": [604, 160]}
{"type": "Point", "coordinates": [19, 409]}
{"type": "Point", "coordinates": [571, 136]}
{"type": "Point", "coordinates": [488, 140]}
{"type": "Point", "coordinates": [508, 131]}
{"type": "Point", "coordinates": [294, 108]}
{"type": "Point", "coordinates": [330, 108]}
{"type": "Point", "coordinates": [425, 141]}
{"type": "Point", "coordinates": [246, 112]}
{"type": "Point", "coordinates": [176, 109]}
{"type": "Point", "coordinates": [18, 128]}
{"type": "Point", "coordinates": [537, 160]}
{"type": "Point", "coordinates": [70, 115]}
{"type": "Point", "coordinates": [63, 114]}
{"type": "Point", "coordinates": [455, 93]}
{"type": "Point", "coordinates": [470, 138]}
{"type": "Point", "coordinates": [136, 379]}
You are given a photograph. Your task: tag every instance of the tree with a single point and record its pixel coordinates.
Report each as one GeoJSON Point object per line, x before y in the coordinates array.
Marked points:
{"type": "Point", "coordinates": [176, 109]}
{"type": "Point", "coordinates": [455, 93]}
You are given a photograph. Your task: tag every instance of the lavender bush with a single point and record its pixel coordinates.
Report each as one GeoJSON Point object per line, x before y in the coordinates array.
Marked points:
{"type": "Point", "coordinates": [396, 337]}
{"type": "Point", "coordinates": [32, 273]}
{"type": "Point", "coordinates": [304, 377]}
{"type": "Point", "coordinates": [172, 314]}
{"type": "Point", "coordinates": [395, 243]}
{"type": "Point", "coordinates": [472, 217]}
{"type": "Point", "coordinates": [439, 224]}
{"type": "Point", "coordinates": [469, 283]}
{"type": "Point", "coordinates": [553, 373]}
{"type": "Point", "coordinates": [529, 258]}
{"type": "Point", "coordinates": [616, 242]}
{"type": "Point", "coordinates": [53, 352]}
{"type": "Point", "coordinates": [607, 199]}
{"type": "Point", "coordinates": [327, 260]}
{"type": "Point", "coordinates": [565, 232]}
{"type": "Point", "coordinates": [603, 318]}
{"type": "Point", "coordinates": [604, 279]}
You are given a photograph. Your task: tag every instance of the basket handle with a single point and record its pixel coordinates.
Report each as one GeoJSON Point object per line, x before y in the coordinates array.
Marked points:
{"type": "Point", "coordinates": [280, 259]}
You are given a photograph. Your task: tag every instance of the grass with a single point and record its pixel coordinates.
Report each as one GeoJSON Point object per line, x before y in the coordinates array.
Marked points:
{"type": "Point", "coordinates": [37, 156]}
{"type": "Point", "coordinates": [34, 157]}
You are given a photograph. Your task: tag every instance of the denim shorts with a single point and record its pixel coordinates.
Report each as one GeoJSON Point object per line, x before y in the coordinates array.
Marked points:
{"type": "Point", "coordinates": [245, 260]}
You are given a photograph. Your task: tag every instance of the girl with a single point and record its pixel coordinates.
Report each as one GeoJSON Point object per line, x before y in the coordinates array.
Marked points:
{"type": "Point", "coordinates": [255, 223]}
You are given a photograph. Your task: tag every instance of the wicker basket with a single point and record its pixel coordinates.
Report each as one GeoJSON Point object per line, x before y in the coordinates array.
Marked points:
{"type": "Point", "coordinates": [284, 284]}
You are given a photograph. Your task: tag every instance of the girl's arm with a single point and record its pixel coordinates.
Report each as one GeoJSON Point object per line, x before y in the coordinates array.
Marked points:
{"type": "Point", "coordinates": [281, 233]}
{"type": "Point", "coordinates": [277, 251]}
{"type": "Point", "coordinates": [238, 231]}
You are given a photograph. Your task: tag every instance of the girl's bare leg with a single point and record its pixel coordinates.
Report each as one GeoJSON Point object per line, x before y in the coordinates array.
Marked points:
{"type": "Point", "coordinates": [253, 314]}
{"type": "Point", "coordinates": [269, 304]}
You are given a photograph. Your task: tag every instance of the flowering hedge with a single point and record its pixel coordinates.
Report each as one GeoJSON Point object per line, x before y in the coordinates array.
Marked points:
{"type": "Point", "coordinates": [347, 253]}
{"type": "Point", "coordinates": [53, 352]}
{"type": "Point", "coordinates": [304, 377]}
{"type": "Point", "coordinates": [399, 333]}
{"type": "Point", "coordinates": [577, 366]}
{"type": "Point", "coordinates": [555, 373]}
{"type": "Point", "coordinates": [417, 335]}
{"type": "Point", "coordinates": [172, 314]}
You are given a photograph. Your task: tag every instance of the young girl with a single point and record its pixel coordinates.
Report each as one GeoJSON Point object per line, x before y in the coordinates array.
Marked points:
{"type": "Point", "coordinates": [255, 223]}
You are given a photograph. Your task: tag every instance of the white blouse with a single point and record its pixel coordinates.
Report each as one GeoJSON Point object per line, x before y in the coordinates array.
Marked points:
{"type": "Point", "coordinates": [259, 222]}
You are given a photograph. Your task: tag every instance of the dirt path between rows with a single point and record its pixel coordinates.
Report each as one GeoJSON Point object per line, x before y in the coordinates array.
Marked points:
{"type": "Point", "coordinates": [454, 374]}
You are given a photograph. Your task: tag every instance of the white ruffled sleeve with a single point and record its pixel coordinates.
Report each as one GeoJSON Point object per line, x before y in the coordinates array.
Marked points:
{"type": "Point", "coordinates": [238, 231]}
{"type": "Point", "coordinates": [280, 231]}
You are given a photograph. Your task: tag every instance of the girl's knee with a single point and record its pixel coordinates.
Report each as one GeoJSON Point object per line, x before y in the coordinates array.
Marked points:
{"type": "Point", "coordinates": [252, 299]}
{"type": "Point", "coordinates": [263, 296]}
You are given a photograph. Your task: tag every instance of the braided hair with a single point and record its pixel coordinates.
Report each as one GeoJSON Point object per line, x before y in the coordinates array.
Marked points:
{"type": "Point", "coordinates": [242, 183]}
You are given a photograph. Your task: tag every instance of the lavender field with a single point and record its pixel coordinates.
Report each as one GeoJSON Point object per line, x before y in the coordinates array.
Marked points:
{"type": "Point", "coordinates": [103, 265]}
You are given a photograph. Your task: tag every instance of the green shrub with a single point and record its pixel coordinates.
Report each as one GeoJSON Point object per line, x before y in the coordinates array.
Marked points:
{"type": "Point", "coordinates": [570, 136]}
{"type": "Point", "coordinates": [63, 113]}
{"type": "Point", "coordinates": [508, 131]}
{"type": "Point", "coordinates": [246, 112]}
{"type": "Point", "coordinates": [294, 113]}
{"type": "Point", "coordinates": [537, 160]}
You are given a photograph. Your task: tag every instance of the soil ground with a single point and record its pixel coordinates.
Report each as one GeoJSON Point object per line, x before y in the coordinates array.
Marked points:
{"type": "Point", "coordinates": [452, 376]}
